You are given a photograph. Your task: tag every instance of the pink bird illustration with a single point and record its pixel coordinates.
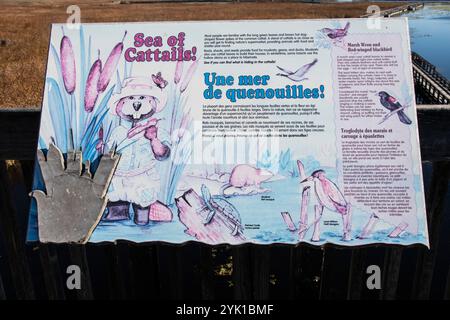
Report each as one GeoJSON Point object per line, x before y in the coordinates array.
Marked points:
{"type": "Point", "coordinates": [336, 34]}
{"type": "Point", "coordinates": [328, 196]}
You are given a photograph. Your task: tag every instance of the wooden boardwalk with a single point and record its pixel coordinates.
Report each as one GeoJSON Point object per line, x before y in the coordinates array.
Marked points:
{"type": "Point", "coordinates": [433, 87]}
{"type": "Point", "coordinates": [397, 11]}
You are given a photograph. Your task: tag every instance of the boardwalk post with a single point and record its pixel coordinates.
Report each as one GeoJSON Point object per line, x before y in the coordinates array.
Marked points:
{"type": "Point", "coordinates": [14, 240]}
{"type": "Point", "coordinates": [447, 286]}
{"type": "Point", "coordinates": [334, 275]}
{"type": "Point", "coordinates": [242, 272]}
{"type": "Point", "coordinates": [261, 268]}
{"type": "Point", "coordinates": [169, 271]}
{"type": "Point", "coordinates": [206, 269]}
{"type": "Point", "coordinates": [391, 273]}
{"type": "Point", "coordinates": [145, 280]}
{"type": "Point", "coordinates": [118, 266]}
{"type": "Point", "coordinates": [294, 271]}
{"type": "Point", "coordinates": [2, 289]}
{"type": "Point", "coordinates": [357, 272]}
{"type": "Point", "coordinates": [154, 281]}
{"type": "Point", "coordinates": [125, 268]}
{"type": "Point", "coordinates": [306, 269]}
{"type": "Point", "coordinates": [51, 272]}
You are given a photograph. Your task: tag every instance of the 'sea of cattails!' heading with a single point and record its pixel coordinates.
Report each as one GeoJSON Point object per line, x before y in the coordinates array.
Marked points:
{"type": "Point", "coordinates": [157, 48]}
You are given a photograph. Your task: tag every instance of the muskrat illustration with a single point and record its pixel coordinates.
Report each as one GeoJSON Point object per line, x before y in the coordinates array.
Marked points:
{"type": "Point", "coordinates": [244, 175]}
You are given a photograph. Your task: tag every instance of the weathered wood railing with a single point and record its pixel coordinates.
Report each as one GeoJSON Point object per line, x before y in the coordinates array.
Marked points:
{"type": "Point", "coordinates": [397, 10]}
{"type": "Point", "coordinates": [431, 86]}
{"type": "Point", "coordinates": [193, 270]}
{"type": "Point", "coordinates": [431, 71]}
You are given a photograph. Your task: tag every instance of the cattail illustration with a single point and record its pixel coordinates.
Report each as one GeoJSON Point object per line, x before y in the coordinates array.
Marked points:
{"type": "Point", "coordinates": [178, 71]}
{"type": "Point", "coordinates": [91, 92]}
{"type": "Point", "coordinates": [110, 66]}
{"type": "Point", "coordinates": [188, 76]}
{"type": "Point", "coordinates": [68, 64]}
{"type": "Point", "coordinates": [100, 143]}
{"type": "Point", "coordinates": [185, 122]}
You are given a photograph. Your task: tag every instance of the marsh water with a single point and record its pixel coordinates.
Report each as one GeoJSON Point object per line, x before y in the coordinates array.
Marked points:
{"type": "Point", "coordinates": [430, 35]}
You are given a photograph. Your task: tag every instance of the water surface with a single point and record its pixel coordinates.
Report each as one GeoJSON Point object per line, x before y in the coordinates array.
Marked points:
{"type": "Point", "coordinates": [430, 35]}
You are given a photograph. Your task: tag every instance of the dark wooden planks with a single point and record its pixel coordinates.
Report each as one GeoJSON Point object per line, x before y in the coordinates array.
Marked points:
{"type": "Point", "coordinates": [51, 272]}
{"type": "Point", "coordinates": [242, 277]}
{"type": "Point", "coordinates": [207, 272]}
{"type": "Point", "coordinates": [305, 272]}
{"type": "Point", "coordinates": [261, 271]}
{"type": "Point", "coordinates": [19, 134]}
{"type": "Point", "coordinates": [169, 271]}
{"type": "Point", "coordinates": [118, 269]}
{"type": "Point", "coordinates": [147, 278]}
{"type": "Point", "coordinates": [310, 278]}
{"type": "Point", "coordinates": [434, 132]}
{"type": "Point", "coordinates": [14, 238]}
{"type": "Point", "coordinates": [334, 273]}
{"type": "Point", "coordinates": [447, 287]}
{"type": "Point", "coordinates": [223, 265]}
{"type": "Point", "coordinates": [2, 289]}
{"type": "Point", "coordinates": [391, 273]}
{"type": "Point", "coordinates": [435, 206]}
{"type": "Point", "coordinates": [357, 272]}
{"type": "Point", "coordinates": [251, 268]}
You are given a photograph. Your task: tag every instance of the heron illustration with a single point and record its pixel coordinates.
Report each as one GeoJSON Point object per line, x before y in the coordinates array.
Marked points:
{"type": "Point", "coordinates": [328, 196]}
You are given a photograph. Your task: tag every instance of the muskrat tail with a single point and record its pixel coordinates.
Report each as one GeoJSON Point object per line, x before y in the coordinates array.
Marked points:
{"type": "Point", "coordinates": [225, 187]}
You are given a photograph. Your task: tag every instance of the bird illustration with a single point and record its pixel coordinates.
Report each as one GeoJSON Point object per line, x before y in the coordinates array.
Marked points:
{"type": "Point", "coordinates": [336, 34]}
{"type": "Point", "coordinates": [299, 74]}
{"type": "Point", "coordinates": [330, 197]}
{"type": "Point", "coordinates": [390, 103]}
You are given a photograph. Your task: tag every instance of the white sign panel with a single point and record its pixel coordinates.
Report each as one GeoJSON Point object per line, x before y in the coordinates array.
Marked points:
{"type": "Point", "coordinates": [242, 131]}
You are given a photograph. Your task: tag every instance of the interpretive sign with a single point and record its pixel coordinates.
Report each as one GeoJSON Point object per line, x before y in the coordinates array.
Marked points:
{"type": "Point", "coordinates": [230, 132]}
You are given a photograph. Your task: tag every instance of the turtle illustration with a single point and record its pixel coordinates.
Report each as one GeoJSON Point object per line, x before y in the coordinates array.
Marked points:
{"type": "Point", "coordinates": [217, 206]}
